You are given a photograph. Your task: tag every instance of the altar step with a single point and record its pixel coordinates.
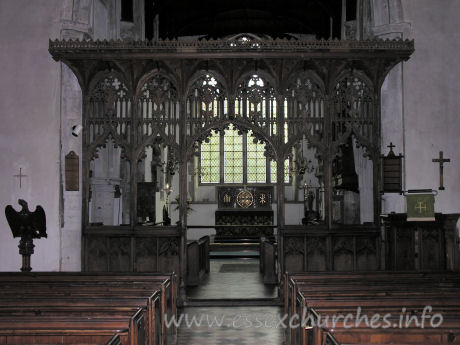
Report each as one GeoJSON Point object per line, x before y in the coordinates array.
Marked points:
{"type": "Point", "coordinates": [234, 250]}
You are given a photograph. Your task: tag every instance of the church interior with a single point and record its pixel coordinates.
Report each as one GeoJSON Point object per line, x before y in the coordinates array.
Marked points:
{"type": "Point", "coordinates": [280, 172]}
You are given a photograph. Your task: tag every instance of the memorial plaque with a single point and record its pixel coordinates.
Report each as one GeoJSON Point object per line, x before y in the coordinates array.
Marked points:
{"type": "Point", "coordinates": [72, 177]}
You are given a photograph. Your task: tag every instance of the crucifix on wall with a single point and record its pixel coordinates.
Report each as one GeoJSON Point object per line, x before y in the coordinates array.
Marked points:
{"type": "Point", "coordinates": [20, 176]}
{"type": "Point", "coordinates": [441, 160]}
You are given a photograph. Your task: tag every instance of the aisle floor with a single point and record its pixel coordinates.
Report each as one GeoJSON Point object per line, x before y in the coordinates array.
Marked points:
{"type": "Point", "coordinates": [233, 279]}
{"type": "Point", "coordinates": [238, 326]}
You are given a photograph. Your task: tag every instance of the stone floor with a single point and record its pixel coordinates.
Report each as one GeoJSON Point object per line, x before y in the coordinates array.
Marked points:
{"type": "Point", "coordinates": [228, 285]}
{"type": "Point", "coordinates": [239, 325]}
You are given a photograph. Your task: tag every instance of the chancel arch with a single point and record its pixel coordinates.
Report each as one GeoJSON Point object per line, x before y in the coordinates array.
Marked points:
{"type": "Point", "coordinates": [256, 102]}
{"type": "Point", "coordinates": [305, 108]}
{"type": "Point", "coordinates": [206, 103]}
{"type": "Point", "coordinates": [108, 109]}
{"type": "Point", "coordinates": [157, 111]}
{"type": "Point", "coordinates": [355, 133]}
{"type": "Point", "coordinates": [108, 119]}
{"type": "Point", "coordinates": [354, 110]}
{"type": "Point", "coordinates": [157, 141]}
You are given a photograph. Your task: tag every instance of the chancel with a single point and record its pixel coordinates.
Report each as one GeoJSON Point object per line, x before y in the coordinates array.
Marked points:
{"type": "Point", "coordinates": [259, 157]}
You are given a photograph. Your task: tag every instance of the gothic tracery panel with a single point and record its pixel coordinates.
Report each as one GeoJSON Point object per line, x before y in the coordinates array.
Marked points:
{"type": "Point", "coordinates": [343, 254]}
{"type": "Point", "coordinates": [305, 108]}
{"type": "Point", "coordinates": [206, 103]}
{"type": "Point", "coordinates": [110, 110]}
{"type": "Point", "coordinates": [353, 111]}
{"type": "Point", "coordinates": [256, 103]}
{"type": "Point", "coordinates": [158, 110]}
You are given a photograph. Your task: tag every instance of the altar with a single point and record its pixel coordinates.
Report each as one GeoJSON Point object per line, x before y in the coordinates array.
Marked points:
{"type": "Point", "coordinates": [244, 213]}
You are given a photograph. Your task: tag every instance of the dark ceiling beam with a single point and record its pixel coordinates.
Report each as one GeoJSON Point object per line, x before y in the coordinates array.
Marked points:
{"type": "Point", "coordinates": [324, 5]}
{"type": "Point", "coordinates": [200, 18]}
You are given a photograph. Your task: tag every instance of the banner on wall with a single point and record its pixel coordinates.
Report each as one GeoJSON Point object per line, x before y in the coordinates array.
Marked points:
{"type": "Point", "coordinates": [420, 207]}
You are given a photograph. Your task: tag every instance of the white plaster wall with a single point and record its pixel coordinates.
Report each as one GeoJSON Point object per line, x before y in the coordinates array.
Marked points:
{"type": "Point", "coordinates": [294, 213]}
{"type": "Point", "coordinates": [71, 115]}
{"type": "Point", "coordinates": [29, 131]}
{"type": "Point", "coordinates": [432, 99]}
{"type": "Point", "coordinates": [101, 25]}
{"type": "Point", "coordinates": [202, 214]}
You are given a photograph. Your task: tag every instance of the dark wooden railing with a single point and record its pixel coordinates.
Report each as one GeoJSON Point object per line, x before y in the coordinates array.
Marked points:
{"type": "Point", "coordinates": [132, 249]}
{"type": "Point", "coordinates": [317, 248]}
{"type": "Point", "coordinates": [197, 260]}
{"type": "Point", "coordinates": [421, 246]}
{"type": "Point", "coordinates": [267, 261]}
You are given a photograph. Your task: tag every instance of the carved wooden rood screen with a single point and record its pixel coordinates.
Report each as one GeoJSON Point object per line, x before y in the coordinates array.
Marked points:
{"type": "Point", "coordinates": [140, 97]}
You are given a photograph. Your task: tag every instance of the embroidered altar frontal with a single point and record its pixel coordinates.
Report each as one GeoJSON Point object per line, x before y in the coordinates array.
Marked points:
{"type": "Point", "coordinates": [243, 208]}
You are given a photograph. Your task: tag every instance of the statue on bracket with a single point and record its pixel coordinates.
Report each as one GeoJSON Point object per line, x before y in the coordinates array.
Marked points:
{"type": "Point", "coordinates": [26, 225]}
{"type": "Point", "coordinates": [310, 214]}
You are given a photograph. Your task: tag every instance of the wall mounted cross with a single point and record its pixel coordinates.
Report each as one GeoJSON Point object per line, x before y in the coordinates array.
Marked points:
{"type": "Point", "coordinates": [391, 146]}
{"type": "Point", "coordinates": [20, 176]}
{"type": "Point", "coordinates": [441, 160]}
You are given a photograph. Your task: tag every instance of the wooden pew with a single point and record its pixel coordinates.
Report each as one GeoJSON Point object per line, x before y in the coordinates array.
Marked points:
{"type": "Point", "coordinates": [292, 280]}
{"type": "Point", "coordinates": [62, 300]}
{"type": "Point", "coordinates": [101, 283]}
{"type": "Point", "coordinates": [447, 333]}
{"type": "Point", "coordinates": [72, 329]}
{"type": "Point", "coordinates": [198, 260]}
{"type": "Point", "coordinates": [414, 302]}
{"type": "Point", "coordinates": [109, 289]}
{"type": "Point", "coordinates": [115, 340]}
{"type": "Point", "coordinates": [90, 308]}
{"type": "Point", "coordinates": [382, 292]}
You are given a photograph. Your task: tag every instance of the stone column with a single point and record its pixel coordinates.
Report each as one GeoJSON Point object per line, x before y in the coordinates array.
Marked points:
{"type": "Point", "coordinates": [79, 20]}
{"type": "Point", "coordinates": [388, 24]}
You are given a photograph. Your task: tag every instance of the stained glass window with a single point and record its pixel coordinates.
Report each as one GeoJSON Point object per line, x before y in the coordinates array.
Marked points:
{"type": "Point", "coordinates": [233, 156]}
{"type": "Point", "coordinates": [286, 171]}
{"type": "Point", "coordinates": [210, 160]}
{"type": "Point", "coordinates": [244, 160]}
